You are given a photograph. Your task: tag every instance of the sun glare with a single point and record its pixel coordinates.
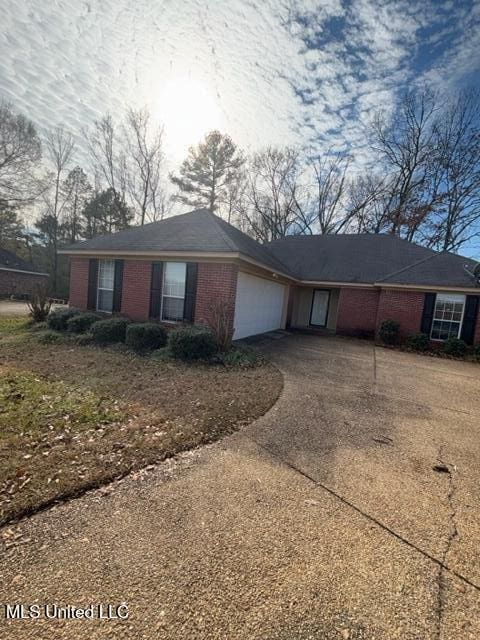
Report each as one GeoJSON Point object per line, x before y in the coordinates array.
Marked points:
{"type": "Point", "coordinates": [188, 110]}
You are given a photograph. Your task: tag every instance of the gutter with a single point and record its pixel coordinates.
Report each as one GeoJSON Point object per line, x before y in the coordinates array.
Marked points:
{"type": "Point", "coordinates": [31, 273]}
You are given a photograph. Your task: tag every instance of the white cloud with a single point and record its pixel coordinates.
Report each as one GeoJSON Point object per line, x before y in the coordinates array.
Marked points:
{"type": "Point", "coordinates": [73, 61]}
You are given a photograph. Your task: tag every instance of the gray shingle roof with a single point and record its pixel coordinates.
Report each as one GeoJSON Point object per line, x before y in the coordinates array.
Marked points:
{"type": "Point", "coordinates": [369, 258]}
{"type": "Point", "coordinates": [197, 231]}
{"type": "Point", "coordinates": [9, 260]}
{"type": "Point", "coordinates": [355, 258]}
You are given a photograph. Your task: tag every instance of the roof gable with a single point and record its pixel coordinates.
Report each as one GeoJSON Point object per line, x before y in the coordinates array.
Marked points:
{"type": "Point", "coordinates": [199, 231]}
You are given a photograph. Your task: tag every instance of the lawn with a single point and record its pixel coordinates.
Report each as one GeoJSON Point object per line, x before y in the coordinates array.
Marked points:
{"type": "Point", "coordinates": [76, 417]}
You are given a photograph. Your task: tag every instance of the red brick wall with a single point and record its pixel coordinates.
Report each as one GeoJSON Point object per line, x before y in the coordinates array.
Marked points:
{"type": "Point", "coordinates": [79, 282]}
{"type": "Point", "coordinates": [137, 275]}
{"type": "Point", "coordinates": [406, 307]}
{"type": "Point", "coordinates": [216, 281]}
{"type": "Point", "coordinates": [357, 311]}
{"type": "Point", "coordinates": [19, 284]}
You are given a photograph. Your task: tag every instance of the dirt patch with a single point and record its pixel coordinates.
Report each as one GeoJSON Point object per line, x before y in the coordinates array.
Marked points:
{"type": "Point", "coordinates": [148, 410]}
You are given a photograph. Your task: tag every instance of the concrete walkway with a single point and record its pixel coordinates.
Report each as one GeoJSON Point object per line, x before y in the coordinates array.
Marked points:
{"type": "Point", "coordinates": [323, 519]}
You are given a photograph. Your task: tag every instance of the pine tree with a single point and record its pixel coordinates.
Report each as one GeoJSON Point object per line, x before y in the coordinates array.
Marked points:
{"type": "Point", "coordinates": [207, 172]}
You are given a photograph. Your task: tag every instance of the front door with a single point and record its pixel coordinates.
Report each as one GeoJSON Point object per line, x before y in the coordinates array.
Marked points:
{"type": "Point", "coordinates": [318, 316]}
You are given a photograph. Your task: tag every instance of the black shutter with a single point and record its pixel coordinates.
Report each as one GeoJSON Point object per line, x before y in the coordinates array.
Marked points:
{"type": "Point", "coordinates": [156, 290]}
{"type": "Point", "coordinates": [190, 292]}
{"type": "Point", "coordinates": [118, 286]}
{"type": "Point", "coordinates": [92, 283]}
{"type": "Point", "coordinates": [470, 319]}
{"type": "Point", "coordinates": [428, 310]}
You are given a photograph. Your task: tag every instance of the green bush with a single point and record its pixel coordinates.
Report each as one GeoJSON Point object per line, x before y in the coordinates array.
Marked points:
{"type": "Point", "coordinates": [50, 337]}
{"type": "Point", "coordinates": [192, 343]}
{"type": "Point", "coordinates": [419, 342]}
{"type": "Point", "coordinates": [390, 331]}
{"type": "Point", "coordinates": [82, 322]}
{"type": "Point", "coordinates": [146, 336]}
{"type": "Point", "coordinates": [57, 320]}
{"type": "Point", "coordinates": [110, 330]}
{"type": "Point", "coordinates": [455, 347]}
{"type": "Point", "coordinates": [83, 339]}
{"type": "Point", "coordinates": [243, 357]}
{"type": "Point", "coordinates": [476, 351]}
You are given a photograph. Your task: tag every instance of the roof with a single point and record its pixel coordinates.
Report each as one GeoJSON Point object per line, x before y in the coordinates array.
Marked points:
{"type": "Point", "coordinates": [198, 231]}
{"type": "Point", "coordinates": [343, 258]}
{"type": "Point", "coordinates": [369, 259]}
{"type": "Point", "coordinates": [9, 260]}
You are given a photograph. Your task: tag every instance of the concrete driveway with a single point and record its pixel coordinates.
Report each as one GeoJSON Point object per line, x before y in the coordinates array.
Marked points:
{"type": "Point", "coordinates": [323, 519]}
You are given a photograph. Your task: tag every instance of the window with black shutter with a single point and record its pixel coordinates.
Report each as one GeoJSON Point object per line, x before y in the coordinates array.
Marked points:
{"type": "Point", "coordinates": [190, 292]}
{"type": "Point", "coordinates": [92, 283]}
{"type": "Point", "coordinates": [156, 290]}
{"type": "Point", "coordinates": [472, 304]}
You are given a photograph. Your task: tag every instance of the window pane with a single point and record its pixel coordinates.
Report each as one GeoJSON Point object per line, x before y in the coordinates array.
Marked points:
{"type": "Point", "coordinates": [106, 274]}
{"type": "Point", "coordinates": [447, 317]}
{"type": "Point", "coordinates": [105, 300]}
{"type": "Point", "coordinates": [174, 279]}
{"type": "Point", "coordinates": [172, 309]}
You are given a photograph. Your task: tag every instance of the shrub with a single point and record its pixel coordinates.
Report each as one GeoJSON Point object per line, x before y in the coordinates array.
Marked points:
{"type": "Point", "coordinates": [419, 342]}
{"type": "Point", "coordinates": [147, 336]}
{"type": "Point", "coordinates": [82, 322]}
{"type": "Point", "coordinates": [192, 343]}
{"type": "Point", "coordinates": [50, 337]}
{"type": "Point", "coordinates": [476, 351]}
{"type": "Point", "coordinates": [39, 305]}
{"type": "Point", "coordinates": [57, 320]}
{"type": "Point", "coordinates": [83, 339]}
{"type": "Point", "coordinates": [455, 347]}
{"type": "Point", "coordinates": [220, 320]}
{"type": "Point", "coordinates": [390, 331]}
{"type": "Point", "coordinates": [110, 330]}
{"type": "Point", "coordinates": [243, 357]}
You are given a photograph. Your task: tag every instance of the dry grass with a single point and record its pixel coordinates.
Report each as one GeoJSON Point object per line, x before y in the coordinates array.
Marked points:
{"type": "Point", "coordinates": [74, 418]}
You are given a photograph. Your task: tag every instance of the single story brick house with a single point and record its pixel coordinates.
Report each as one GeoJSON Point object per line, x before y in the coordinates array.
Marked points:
{"type": "Point", "coordinates": [17, 277]}
{"type": "Point", "coordinates": [178, 269]}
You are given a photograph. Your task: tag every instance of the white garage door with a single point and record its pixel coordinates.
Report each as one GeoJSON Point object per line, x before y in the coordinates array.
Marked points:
{"type": "Point", "coordinates": [258, 306]}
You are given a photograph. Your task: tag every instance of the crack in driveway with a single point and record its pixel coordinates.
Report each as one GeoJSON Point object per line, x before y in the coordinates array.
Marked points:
{"type": "Point", "coordinates": [452, 536]}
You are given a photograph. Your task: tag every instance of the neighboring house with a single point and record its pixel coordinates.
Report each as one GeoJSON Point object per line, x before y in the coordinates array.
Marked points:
{"type": "Point", "coordinates": [177, 269]}
{"type": "Point", "coordinates": [17, 277]}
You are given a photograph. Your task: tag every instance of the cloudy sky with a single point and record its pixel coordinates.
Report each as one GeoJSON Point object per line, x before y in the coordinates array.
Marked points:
{"type": "Point", "coordinates": [272, 71]}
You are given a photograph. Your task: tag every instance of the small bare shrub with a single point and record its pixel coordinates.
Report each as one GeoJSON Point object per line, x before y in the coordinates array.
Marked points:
{"type": "Point", "coordinates": [220, 321]}
{"type": "Point", "coordinates": [39, 305]}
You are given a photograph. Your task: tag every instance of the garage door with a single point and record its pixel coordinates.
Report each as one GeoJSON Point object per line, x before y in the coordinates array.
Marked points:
{"type": "Point", "coordinates": [258, 306]}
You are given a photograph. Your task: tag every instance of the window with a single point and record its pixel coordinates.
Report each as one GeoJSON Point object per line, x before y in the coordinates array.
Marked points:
{"type": "Point", "coordinates": [447, 317]}
{"type": "Point", "coordinates": [173, 292]}
{"type": "Point", "coordinates": [106, 277]}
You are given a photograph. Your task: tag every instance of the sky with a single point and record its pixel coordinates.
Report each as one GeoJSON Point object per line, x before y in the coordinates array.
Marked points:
{"type": "Point", "coordinates": [267, 72]}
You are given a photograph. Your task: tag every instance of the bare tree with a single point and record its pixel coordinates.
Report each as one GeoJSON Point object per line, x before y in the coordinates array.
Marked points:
{"type": "Point", "coordinates": [144, 159]}
{"type": "Point", "coordinates": [456, 217]}
{"type": "Point", "coordinates": [274, 196]}
{"type": "Point", "coordinates": [20, 155]}
{"type": "Point", "coordinates": [60, 148]}
{"type": "Point", "coordinates": [108, 156]}
{"type": "Point", "coordinates": [404, 145]}
{"type": "Point", "coordinates": [326, 211]}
